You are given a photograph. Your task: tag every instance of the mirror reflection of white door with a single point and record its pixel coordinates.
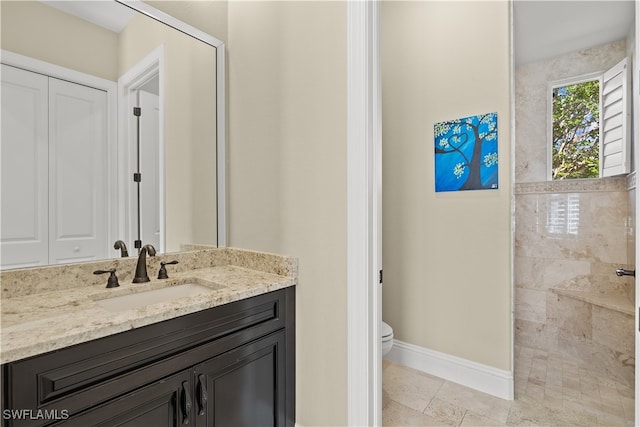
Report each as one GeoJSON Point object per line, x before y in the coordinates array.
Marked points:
{"type": "Point", "coordinates": [24, 154]}
{"type": "Point", "coordinates": [150, 168]}
{"type": "Point", "coordinates": [142, 87]}
{"type": "Point", "coordinates": [54, 206]}
{"type": "Point", "coordinates": [77, 173]}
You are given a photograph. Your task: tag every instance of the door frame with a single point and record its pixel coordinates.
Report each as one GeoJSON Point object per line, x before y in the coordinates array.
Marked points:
{"type": "Point", "coordinates": [364, 211]}
{"type": "Point", "coordinates": [153, 64]}
{"type": "Point", "coordinates": [110, 87]}
{"type": "Point", "coordinates": [636, 220]}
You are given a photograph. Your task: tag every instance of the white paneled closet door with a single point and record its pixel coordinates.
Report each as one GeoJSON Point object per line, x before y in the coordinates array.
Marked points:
{"type": "Point", "coordinates": [54, 169]}
{"type": "Point", "coordinates": [24, 169]}
{"type": "Point", "coordinates": [77, 172]}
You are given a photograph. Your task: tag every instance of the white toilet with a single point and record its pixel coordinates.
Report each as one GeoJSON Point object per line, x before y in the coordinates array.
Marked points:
{"type": "Point", "coordinates": [387, 338]}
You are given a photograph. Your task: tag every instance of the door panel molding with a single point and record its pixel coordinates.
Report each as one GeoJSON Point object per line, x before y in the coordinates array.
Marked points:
{"type": "Point", "coordinates": [110, 160]}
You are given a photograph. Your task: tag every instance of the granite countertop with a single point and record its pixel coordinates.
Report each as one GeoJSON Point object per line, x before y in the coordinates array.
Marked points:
{"type": "Point", "coordinates": [41, 321]}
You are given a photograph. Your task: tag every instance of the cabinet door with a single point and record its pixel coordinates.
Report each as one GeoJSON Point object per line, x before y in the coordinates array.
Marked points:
{"type": "Point", "coordinates": [244, 386]}
{"type": "Point", "coordinates": [167, 402]}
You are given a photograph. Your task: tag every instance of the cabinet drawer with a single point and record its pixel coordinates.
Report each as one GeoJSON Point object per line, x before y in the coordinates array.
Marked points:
{"type": "Point", "coordinates": [75, 378]}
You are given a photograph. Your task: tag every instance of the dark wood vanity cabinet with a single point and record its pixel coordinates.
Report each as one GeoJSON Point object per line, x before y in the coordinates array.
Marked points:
{"type": "Point", "coordinates": [158, 404]}
{"type": "Point", "coordinates": [223, 394]}
{"type": "Point", "coordinates": [231, 365]}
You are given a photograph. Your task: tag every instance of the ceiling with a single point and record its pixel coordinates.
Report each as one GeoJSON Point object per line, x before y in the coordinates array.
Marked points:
{"type": "Point", "coordinates": [545, 29]}
{"type": "Point", "coordinates": [542, 28]}
{"type": "Point", "coordinates": [107, 14]}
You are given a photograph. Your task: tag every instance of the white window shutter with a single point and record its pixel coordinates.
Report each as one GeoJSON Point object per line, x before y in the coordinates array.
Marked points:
{"type": "Point", "coordinates": [615, 135]}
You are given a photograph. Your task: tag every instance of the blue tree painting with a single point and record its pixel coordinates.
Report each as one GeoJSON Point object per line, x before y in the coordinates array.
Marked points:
{"type": "Point", "coordinates": [466, 153]}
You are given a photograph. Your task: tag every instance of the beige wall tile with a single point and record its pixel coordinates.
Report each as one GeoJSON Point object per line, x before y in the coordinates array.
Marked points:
{"type": "Point", "coordinates": [531, 304]}
{"type": "Point", "coordinates": [573, 317]}
{"type": "Point", "coordinates": [611, 329]}
{"type": "Point", "coordinates": [535, 334]}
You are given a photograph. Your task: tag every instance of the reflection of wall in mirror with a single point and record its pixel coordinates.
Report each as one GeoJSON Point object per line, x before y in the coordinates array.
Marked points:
{"type": "Point", "coordinates": [53, 37]}
{"type": "Point", "coordinates": [190, 127]}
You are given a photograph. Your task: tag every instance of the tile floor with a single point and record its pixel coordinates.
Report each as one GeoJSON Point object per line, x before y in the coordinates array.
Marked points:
{"type": "Point", "coordinates": [550, 390]}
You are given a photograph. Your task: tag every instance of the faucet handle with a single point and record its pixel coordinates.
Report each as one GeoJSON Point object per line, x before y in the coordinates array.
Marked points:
{"type": "Point", "coordinates": [162, 274]}
{"type": "Point", "coordinates": [112, 281]}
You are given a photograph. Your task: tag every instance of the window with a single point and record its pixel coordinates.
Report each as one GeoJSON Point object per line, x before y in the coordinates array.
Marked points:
{"type": "Point", "coordinates": [575, 142]}
{"type": "Point", "coordinates": [563, 215]}
{"type": "Point", "coordinates": [588, 130]}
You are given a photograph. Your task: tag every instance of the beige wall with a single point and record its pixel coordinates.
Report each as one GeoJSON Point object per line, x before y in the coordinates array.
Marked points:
{"type": "Point", "coordinates": [446, 256]}
{"type": "Point", "coordinates": [287, 167]}
{"type": "Point", "coordinates": [33, 29]}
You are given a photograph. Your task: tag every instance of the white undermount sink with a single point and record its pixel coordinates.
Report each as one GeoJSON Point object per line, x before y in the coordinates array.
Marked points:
{"type": "Point", "coordinates": [155, 296]}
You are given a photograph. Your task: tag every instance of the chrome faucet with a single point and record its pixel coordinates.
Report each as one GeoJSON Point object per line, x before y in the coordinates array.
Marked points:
{"type": "Point", "coordinates": [141, 275]}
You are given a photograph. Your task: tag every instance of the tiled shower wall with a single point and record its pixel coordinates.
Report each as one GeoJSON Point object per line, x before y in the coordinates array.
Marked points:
{"type": "Point", "coordinates": [574, 238]}
{"type": "Point", "coordinates": [571, 235]}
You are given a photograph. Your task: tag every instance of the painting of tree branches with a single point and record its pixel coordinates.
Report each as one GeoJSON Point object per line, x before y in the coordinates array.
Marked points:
{"type": "Point", "coordinates": [466, 153]}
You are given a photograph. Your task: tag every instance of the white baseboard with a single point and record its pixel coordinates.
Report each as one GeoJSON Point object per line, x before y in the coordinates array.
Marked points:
{"type": "Point", "coordinates": [486, 379]}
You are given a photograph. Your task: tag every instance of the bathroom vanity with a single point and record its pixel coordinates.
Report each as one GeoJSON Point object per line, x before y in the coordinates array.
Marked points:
{"type": "Point", "coordinates": [223, 357]}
